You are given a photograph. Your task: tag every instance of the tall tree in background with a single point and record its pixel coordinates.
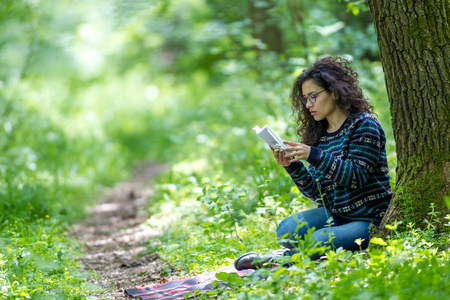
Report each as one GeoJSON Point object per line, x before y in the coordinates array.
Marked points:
{"type": "Point", "coordinates": [265, 27]}
{"type": "Point", "coordinates": [414, 42]}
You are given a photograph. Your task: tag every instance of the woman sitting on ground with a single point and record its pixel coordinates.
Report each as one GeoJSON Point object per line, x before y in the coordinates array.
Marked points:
{"type": "Point", "coordinates": [344, 145]}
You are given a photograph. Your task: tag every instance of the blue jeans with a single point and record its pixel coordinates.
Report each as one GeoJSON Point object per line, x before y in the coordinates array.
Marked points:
{"type": "Point", "coordinates": [294, 228]}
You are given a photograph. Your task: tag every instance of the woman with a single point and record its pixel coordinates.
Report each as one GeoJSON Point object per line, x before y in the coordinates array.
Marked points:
{"type": "Point", "coordinates": [344, 145]}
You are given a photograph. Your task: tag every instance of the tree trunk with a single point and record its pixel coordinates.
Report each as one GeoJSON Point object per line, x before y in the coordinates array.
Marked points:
{"type": "Point", "coordinates": [414, 42]}
{"type": "Point", "coordinates": [264, 27]}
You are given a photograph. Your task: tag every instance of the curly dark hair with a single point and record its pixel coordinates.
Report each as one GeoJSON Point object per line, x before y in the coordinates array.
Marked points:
{"type": "Point", "coordinates": [336, 76]}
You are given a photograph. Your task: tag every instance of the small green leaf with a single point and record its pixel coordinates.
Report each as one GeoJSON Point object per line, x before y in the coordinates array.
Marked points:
{"type": "Point", "coordinates": [208, 224]}
{"type": "Point", "coordinates": [224, 276]}
{"type": "Point", "coordinates": [215, 284]}
{"type": "Point", "coordinates": [353, 8]}
{"type": "Point", "coordinates": [447, 201]}
{"type": "Point", "coordinates": [391, 227]}
{"type": "Point", "coordinates": [378, 241]}
{"type": "Point", "coordinates": [235, 278]}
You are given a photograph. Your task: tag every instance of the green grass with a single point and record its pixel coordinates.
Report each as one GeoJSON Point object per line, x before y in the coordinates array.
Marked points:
{"type": "Point", "coordinates": [38, 261]}
{"type": "Point", "coordinates": [48, 179]}
{"type": "Point", "coordinates": [57, 157]}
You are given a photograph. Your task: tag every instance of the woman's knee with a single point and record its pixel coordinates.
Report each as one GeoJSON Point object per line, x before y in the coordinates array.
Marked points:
{"type": "Point", "coordinates": [284, 233]}
{"type": "Point", "coordinates": [288, 227]}
{"type": "Point", "coordinates": [323, 237]}
{"type": "Point", "coordinates": [299, 223]}
{"type": "Point", "coordinates": [291, 229]}
{"type": "Point", "coordinates": [283, 229]}
{"type": "Point", "coordinates": [351, 236]}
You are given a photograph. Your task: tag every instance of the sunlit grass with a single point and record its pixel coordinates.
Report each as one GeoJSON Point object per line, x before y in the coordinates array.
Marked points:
{"type": "Point", "coordinates": [62, 144]}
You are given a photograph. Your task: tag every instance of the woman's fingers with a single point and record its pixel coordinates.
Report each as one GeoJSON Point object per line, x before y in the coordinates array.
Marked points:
{"type": "Point", "coordinates": [296, 151]}
{"type": "Point", "coordinates": [292, 152]}
{"type": "Point", "coordinates": [280, 157]}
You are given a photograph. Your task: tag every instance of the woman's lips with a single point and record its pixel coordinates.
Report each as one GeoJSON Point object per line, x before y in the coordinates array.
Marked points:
{"type": "Point", "coordinates": [313, 113]}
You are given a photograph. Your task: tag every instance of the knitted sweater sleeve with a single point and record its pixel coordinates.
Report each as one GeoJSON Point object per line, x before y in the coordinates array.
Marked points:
{"type": "Point", "coordinates": [361, 160]}
{"type": "Point", "coordinates": [304, 180]}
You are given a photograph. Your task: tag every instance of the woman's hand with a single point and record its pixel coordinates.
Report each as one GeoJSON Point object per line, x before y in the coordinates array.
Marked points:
{"type": "Point", "coordinates": [296, 151]}
{"type": "Point", "coordinates": [280, 156]}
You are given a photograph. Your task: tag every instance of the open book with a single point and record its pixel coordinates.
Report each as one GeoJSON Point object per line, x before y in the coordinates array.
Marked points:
{"type": "Point", "coordinates": [269, 136]}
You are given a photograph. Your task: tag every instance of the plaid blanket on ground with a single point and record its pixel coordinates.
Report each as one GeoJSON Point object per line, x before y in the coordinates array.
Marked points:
{"type": "Point", "coordinates": [177, 289]}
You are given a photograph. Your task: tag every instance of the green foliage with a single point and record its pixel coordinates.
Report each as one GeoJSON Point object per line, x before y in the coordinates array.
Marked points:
{"type": "Point", "coordinates": [37, 261]}
{"type": "Point", "coordinates": [407, 266]}
{"type": "Point", "coordinates": [224, 195]}
{"type": "Point", "coordinates": [70, 126]}
{"type": "Point", "coordinates": [89, 89]}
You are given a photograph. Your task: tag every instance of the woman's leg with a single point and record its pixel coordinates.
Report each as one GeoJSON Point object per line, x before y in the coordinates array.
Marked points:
{"type": "Point", "coordinates": [296, 226]}
{"type": "Point", "coordinates": [344, 235]}
{"type": "Point", "coordinates": [339, 236]}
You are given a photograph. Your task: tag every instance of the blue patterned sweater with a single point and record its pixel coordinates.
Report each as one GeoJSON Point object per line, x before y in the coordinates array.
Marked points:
{"type": "Point", "coordinates": [351, 169]}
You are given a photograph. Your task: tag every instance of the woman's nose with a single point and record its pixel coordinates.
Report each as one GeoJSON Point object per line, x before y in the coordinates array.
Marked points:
{"type": "Point", "coordinates": [308, 104]}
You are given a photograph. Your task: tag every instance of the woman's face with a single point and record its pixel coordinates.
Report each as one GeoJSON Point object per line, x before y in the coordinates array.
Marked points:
{"type": "Point", "coordinates": [325, 106]}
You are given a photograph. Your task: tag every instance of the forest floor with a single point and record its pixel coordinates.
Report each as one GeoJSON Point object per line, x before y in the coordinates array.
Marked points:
{"type": "Point", "coordinates": [114, 237]}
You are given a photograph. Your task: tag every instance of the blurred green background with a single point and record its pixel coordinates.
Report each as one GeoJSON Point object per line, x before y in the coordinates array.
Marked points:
{"type": "Point", "coordinates": [91, 89]}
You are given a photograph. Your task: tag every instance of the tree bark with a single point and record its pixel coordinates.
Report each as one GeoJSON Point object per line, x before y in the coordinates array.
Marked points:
{"type": "Point", "coordinates": [414, 42]}
{"type": "Point", "coordinates": [264, 27]}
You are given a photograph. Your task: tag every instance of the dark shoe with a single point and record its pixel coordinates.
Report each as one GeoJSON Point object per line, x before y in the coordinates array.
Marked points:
{"type": "Point", "coordinates": [255, 261]}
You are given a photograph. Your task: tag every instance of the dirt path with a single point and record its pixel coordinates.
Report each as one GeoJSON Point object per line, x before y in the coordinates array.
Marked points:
{"type": "Point", "coordinates": [114, 234]}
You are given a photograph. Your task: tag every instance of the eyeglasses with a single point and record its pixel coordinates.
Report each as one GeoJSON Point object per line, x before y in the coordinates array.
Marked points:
{"type": "Point", "coordinates": [311, 98]}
